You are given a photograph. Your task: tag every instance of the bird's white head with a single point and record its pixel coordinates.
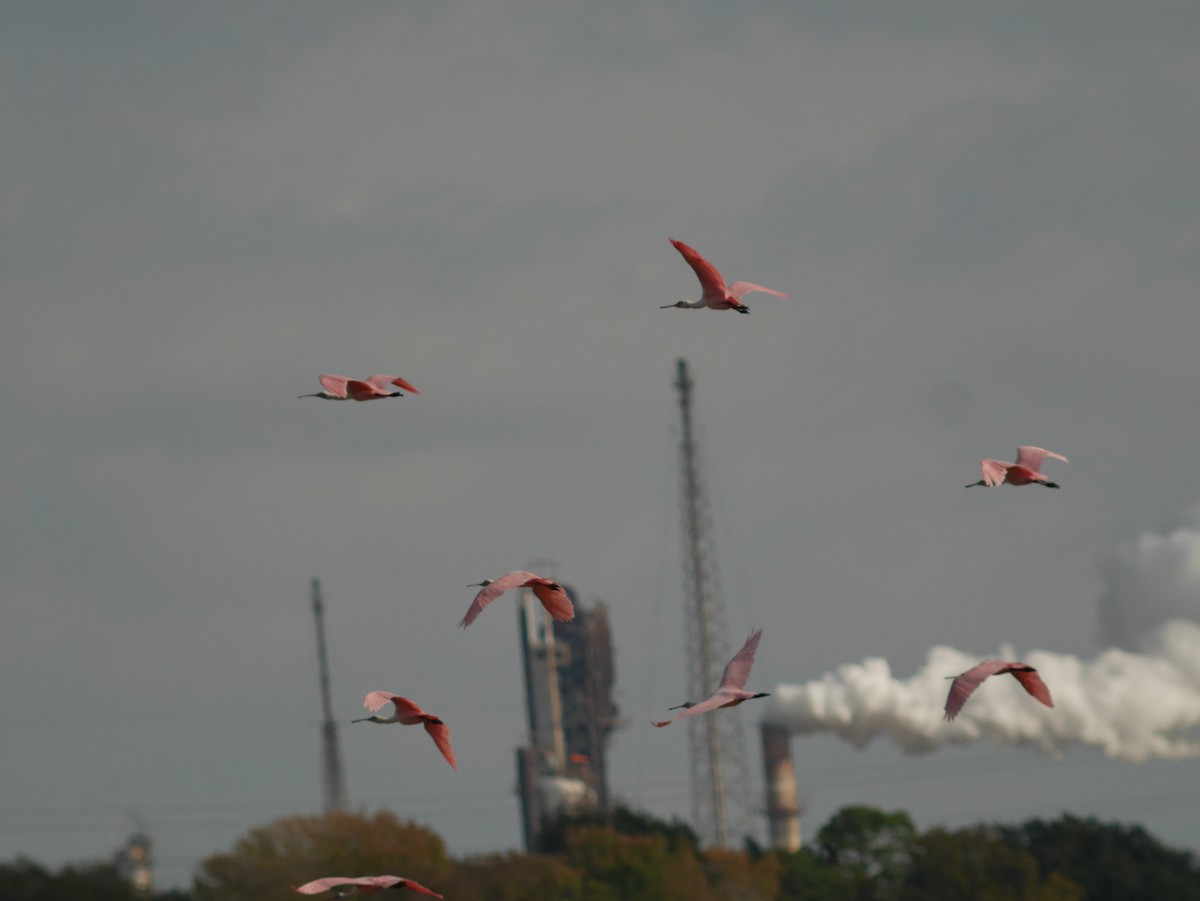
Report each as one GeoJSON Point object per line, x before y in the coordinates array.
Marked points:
{"type": "Point", "coordinates": [484, 584]}
{"type": "Point", "coordinates": [370, 719]}
{"type": "Point", "coordinates": [682, 303]}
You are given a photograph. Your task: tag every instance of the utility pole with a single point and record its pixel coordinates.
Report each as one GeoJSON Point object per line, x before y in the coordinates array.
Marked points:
{"type": "Point", "coordinates": [720, 775]}
{"type": "Point", "coordinates": [333, 779]}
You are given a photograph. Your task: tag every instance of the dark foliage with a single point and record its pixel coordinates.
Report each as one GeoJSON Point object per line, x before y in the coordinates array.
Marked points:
{"type": "Point", "coordinates": [622, 820]}
{"type": "Point", "coordinates": [26, 880]}
{"type": "Point", "coordinates": [861, 854]}
{"type": "Point", "coordinates": [976, 863]}
{"type": "Point", "coordinates": [1111, 861]}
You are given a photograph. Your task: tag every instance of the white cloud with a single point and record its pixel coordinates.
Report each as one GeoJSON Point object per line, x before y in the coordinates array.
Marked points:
{"type": "Point", "coordinates": [1150, 580]}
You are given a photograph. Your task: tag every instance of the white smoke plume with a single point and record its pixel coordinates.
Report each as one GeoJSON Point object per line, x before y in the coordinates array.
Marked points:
{"type": "Point", "coordinates": [1133, 705]}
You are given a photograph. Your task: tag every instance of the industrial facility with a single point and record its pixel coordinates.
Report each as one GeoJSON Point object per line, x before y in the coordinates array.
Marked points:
{"type": "Point", "coordinates": [569, 678]}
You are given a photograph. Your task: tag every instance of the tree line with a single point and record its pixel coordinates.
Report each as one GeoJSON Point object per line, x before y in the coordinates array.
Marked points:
{"type": "Point", "coordinates": [861, 854]}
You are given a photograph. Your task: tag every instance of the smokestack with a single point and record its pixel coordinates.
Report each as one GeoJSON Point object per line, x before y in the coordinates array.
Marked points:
{"type": "Point", "coordinates": [783, 809]}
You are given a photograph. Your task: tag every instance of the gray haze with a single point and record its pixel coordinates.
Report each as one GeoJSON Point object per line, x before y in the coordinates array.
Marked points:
{"type": "Point", "coordinates": [987, 218]}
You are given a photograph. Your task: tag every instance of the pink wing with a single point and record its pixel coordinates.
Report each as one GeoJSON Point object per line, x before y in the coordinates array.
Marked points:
{"type": "Point", "coordinates": [360, 390]}
{"type": "Point", "coordinates": [964, 684]}
{"type": "Point", "coordinates": [711, 280]}
{"type": "Point", "coordinates": [994, 471]}
{"type": "Point", "coordinates": [440, 733]}
{"type": "Point", "coordinates": [712, 703]}
{"type": "Point", "coordinates": [737, 289]}
{"type": "Point", "coordinates": [554, 599]}
{"type": "Point", "coordinates": [490, 592]}
{"type": "Point", "coordinates": [369, 883]}
{"type": "Point", "coordinates": [404, 707]}
{"type": "Point", "coordinates": [385, 383]}
{"type": "Point", "coordinates": [414, 886]}
{"type": "Point", "coordinates": [1031, 457]}
{"type": "Point", "coordinates": [334, 384]}
{"type": "Point", "coordinates": [737, 670]}
{"type": "Point", "coordinates": [331, 882]}
{"type": "Point", "coordinates": [1033, 684]}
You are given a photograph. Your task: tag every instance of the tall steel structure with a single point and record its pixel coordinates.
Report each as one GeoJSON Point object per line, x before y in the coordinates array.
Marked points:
{"type": "Point", "coordinates": [717, 745]}
{"type": "Point", "coordinates": [333, 779]}
{"type": "Point", "coordinates": [569, 677]}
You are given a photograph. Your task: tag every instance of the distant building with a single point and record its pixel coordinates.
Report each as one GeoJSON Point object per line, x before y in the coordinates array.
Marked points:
{"type": "Point", "coordinates": [569, 677]}
{"type": "Point", "coordinates": [135, 864]}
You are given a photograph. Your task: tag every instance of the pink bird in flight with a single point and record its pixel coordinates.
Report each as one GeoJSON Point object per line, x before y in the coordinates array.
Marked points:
{"type": "Point", "coordinates": [409, 714]}
{"type": "Point", "coordinates": [717, 295]}
{"type": "Point", "coordinates": [964, 684]}
{"type": "Point", "coordinates": [732, 690]}
{"type": "Point", "coordinates": [338, 387]}
{"type": "Point", "coordinates": [550, 593]}
{"type": "Point", "coordinates": [345, 886]}
{"type": "Point", "coordinates": [1025, 471]}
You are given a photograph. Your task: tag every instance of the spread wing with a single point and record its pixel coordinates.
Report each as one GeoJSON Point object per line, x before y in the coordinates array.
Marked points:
{"type": "Point", "coordinates": [704, 706]}
{"type": "Point", "coordinates": [490, 592]}
{"type": "Point", "coordinates": [994, 471]}
{"type": "Point", "coordinates": [737, 289]}
{"type": "Point", "coordinates": [554, 599]}
{"type": "Point", "coordinates": [334, 384]}
{"type": "Point", "coordinates": [964, 684]}
{"type": "Point", "coordinates": [331, 882]}
{"type": "Point", "coordinates": [368, 882]}
{"type": "Point", "coordinates": [385, 383]}
{"type": "Point", "coordinates": [710, 279]}
{"type": "Point", "coordinates": [1031, 457]}
{"type": "Point", "coordinates": [404, 707]}
{"type": "Point", "coordinates": [737, 670]}
{"type": "Point", "coordinates": [440, 733]}
{"type": "Point", "coordinates": [414, 886]}
{"type": "Point", "coordinates": [1033, 684]}
{"type": "Point", "coordinates": [363, 390]}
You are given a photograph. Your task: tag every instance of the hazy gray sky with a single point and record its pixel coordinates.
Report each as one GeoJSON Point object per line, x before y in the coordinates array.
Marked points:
{"type": "Point", "coordinates": [987, 218]}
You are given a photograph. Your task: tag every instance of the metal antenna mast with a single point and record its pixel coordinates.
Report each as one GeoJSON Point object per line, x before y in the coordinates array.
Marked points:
{"type": "Point", "coordinates": [717, 745]}
{"type": "Point", "coordinates": [333, 779]}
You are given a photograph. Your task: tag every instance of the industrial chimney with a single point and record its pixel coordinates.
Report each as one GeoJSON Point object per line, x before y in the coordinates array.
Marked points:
{"type": "Point", "coordinates": [783, 808]}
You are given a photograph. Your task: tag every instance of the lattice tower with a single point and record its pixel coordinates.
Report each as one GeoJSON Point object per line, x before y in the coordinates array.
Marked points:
{"type": "Point", "coordinates": [720, 775]}
{"type": "Point", "coordinates": [333, 778]}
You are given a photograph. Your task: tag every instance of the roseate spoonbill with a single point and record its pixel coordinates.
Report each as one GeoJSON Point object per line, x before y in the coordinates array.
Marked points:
{"type": "Point", "coordinates": [731, 691]}
{"type": "Point", "coordinates": [345, 886]}
{"type": "Point", "coordinates": [1025, 471]}
{"type": "Point", "coordinates": [551, 594]}
{"type": "Point", "coordinates": [409, 714]}
{"type": "Point", "coordinates": [717, 296]}
{"type": "Point", "coordinates": [965, 683]}
{"type": "Point", "coordinates": [338, 387]}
